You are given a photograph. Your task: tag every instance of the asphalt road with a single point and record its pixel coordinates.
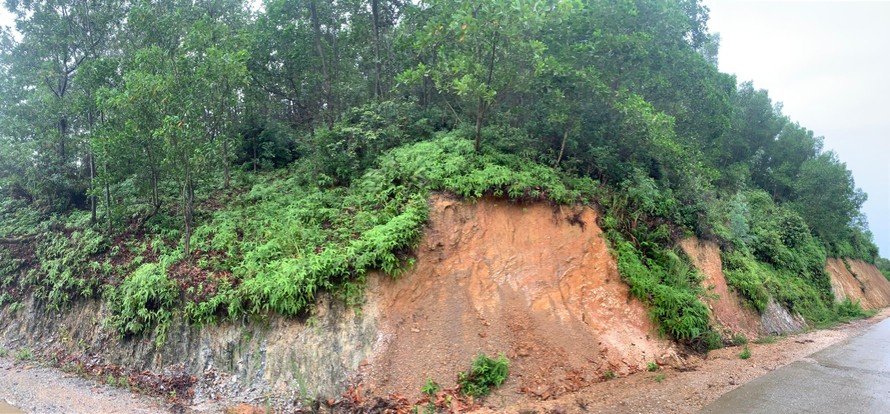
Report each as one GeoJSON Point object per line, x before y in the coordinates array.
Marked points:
{"type": "Point", "coordinates": [850, 377]}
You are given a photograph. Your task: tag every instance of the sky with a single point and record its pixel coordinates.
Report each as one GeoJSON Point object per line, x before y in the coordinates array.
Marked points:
{"type": "Point", "coordinates": [828, 62]}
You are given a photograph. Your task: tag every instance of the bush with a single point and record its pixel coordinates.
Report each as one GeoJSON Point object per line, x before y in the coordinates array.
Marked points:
{"type": "Point", "coordinates": [143, 300]}
{"type": "Point", "coordinates": [671, 295]}
{"type": "Point", "coordinates": [484, 374]}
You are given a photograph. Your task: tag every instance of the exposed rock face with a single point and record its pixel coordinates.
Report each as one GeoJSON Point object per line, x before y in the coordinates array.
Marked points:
{"type": "Point", "coordinates": [729, 313]}
{"type": "Point", "coordinates": [776, 320]}
{"type": "Point", "coordinates": [861, 282]}
{"type": "Point", "coordinates": [533, 281]}
{"type": "Point", "coordinates": [245, 360]}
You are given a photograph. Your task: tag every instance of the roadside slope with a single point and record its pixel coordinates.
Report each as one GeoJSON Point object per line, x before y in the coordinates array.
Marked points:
{"type": "Point", "coordinates": [858, 281]}
{"type": "Point", "coordinates": [533, 281]}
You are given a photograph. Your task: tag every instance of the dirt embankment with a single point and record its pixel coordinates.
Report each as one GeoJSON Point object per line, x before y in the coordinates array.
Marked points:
{"type": "Point", "coordinates": [858, 281]}
{"type": "Point", "coordinates": [729, 314]}
{"type": "Point", "coordinates": [532, 281]}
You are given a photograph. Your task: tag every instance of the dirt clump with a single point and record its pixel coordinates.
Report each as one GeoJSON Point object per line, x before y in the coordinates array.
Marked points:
{"type": "Point", "coordinates": [858, 281]}
{"type": "Point", "coordinates": [532, 281]}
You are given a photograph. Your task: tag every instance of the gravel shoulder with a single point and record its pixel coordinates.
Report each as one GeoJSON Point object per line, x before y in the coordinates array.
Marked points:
{"type": "Point", "coordinates": [36, 389]}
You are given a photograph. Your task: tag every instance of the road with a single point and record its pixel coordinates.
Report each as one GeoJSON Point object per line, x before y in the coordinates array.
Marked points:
{"type": "Point", "coordinates": [849, 377]}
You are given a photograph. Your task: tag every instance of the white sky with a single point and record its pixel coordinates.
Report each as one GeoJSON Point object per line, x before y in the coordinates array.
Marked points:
{"type": "Point", "coordinates": [829, 63]}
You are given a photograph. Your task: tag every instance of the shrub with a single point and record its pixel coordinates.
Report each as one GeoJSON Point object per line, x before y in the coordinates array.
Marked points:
{"type": "Point", "coordinates": [484, 374]}
{"type": "Point", "coordinates": [143, 300]}
{"type": "Point", "coordinates": [745, 354]}
{"type": "Point", "coordinates": [672, 298]}
{"type": "Point", "coordinates": [652, 367]}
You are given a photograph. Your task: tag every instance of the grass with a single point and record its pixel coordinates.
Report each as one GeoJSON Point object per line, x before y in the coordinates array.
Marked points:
{"type": "Point", "coordinates": [659, 377]}
{"type": "Point", "coordinates": [4, 352]}
{"type": "Point", "coordinates": [739, 340]}
{"type": "Point", "coordinates": [769, 339]}
{"type": "Point", "coordinates": [745, 354]}
{"type": "Point", "coordinates": [652, 367]}
{"type": "Point", "coordinates": [24, 354]}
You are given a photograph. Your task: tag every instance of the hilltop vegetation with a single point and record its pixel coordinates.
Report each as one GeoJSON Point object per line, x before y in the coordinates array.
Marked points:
{"type": "Point", "coordinates": [197, 158]}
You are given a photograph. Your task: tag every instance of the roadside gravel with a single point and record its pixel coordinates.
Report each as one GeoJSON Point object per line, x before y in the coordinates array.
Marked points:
{"type": "Point", "coordinates": [36, 389]}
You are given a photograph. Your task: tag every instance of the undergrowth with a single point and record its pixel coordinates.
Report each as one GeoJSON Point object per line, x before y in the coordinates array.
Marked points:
{"type": "Point", "coordinates": [484, 374]}
{"type": "Point", "coordinates": [279, 238]}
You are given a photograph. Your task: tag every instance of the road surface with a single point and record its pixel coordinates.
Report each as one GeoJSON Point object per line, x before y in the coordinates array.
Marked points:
{"type": "Point", "coordinates": [849, 377]}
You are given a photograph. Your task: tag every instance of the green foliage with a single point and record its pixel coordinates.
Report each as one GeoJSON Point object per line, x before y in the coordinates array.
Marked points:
{"type": "Point", "coordinates": [484, 374]}
{"type": "Point", "coordinates": [671, 296]}
{"type": "Point", "coordinates": [145, 298]}
{"type": "Point", "coordinates": [24, 354]}
{"type": "Point", "coordinates": [712, 340]}
{"type": "Point", "coordinates": [745, 354]}
{"type": "Point", "coordinates": [651, 367]}
{"type": "Point", "coordinates": [769, 339]}
{"type": "Point", "coordinates": [430, 387]}
{"type": "Point", "coordinates": [739, 340]}
{"type": "Point", "coordinates": [609, 375]}
{"type": "Point", "coordinates": [3, 352]}
{"type": "Point", "coordinates": [352, 115]}
{"type": "Point", "coordinates": [65, 270]}
{"type": "Point", "coordinates": [884, 266]}
{"type": "Point", "coordinates": [286, 239]}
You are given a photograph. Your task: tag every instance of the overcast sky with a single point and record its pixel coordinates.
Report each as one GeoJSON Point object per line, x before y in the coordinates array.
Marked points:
{"type": "Point", "coordinates": [829, 64]}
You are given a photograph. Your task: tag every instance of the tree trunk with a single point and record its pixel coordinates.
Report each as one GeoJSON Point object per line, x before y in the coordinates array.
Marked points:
{"type": "Point", "coordinates": [188, 195]}
{"type": "Point", "coordinates": [375, 14]}
{"type": "Point", "coordinates": [482, 105]}
{"type": "Point", "coordinates": [316, 28]}
{"type": "Point", "coordinates": [225, 154]}
{"type": "Point", "coordinates": [480, 114]}
{"type": "Point", "coordinates": [92, 189]}
{"type": "Point", "coordinates": [562, 147]}
{"type": "Point", "coordinates": [107, 199]}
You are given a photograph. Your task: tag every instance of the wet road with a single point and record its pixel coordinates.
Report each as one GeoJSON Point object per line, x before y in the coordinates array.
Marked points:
{"type": "Point", "coordinates": [850, 377]}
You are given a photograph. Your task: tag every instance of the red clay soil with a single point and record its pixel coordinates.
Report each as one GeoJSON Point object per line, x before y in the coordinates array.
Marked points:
{"type": "Point", "coordinates": [533, 281]}
{"type": "Point", "coordinates": [728, 312]}
{"type": "Point", "coordinates": [865, 283]}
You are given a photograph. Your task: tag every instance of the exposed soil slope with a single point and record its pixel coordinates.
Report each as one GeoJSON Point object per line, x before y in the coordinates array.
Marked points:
{"type": "Point", "coordinates": [861, 281]}
{"type": "Point", "coordinates": [728, 312]}
{"type": "Point", "coordinates": [533, 281]}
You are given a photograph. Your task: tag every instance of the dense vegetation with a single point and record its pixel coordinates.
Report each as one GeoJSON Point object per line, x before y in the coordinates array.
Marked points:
{"type": "Point", "coordinates": [202, 159]}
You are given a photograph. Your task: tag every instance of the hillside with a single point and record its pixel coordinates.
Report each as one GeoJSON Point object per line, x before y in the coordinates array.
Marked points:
{"type": "Point", "coordinates": [319, 198]}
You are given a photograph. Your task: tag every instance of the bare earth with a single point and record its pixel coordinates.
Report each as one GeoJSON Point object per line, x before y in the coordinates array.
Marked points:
{"type": "Point", "coordinates": [36, 389]}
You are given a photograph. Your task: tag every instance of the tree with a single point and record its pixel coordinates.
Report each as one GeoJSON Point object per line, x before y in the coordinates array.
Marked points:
{"type": "Point", "coordinates": [482, 52]}
{"type": "Point", "coordinates": [826, 197]}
